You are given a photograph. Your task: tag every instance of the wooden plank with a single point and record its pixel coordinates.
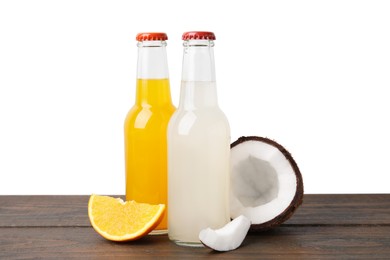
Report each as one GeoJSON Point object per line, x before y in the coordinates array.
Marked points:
{"type": "Point", "coordinates": [43, 211]}
{"type": "Point", "coordinates": [330, 209]}
{"type": "Point", "coordinates": [343, 209]}
{"type": "Point", "coordinates": [292, 242]}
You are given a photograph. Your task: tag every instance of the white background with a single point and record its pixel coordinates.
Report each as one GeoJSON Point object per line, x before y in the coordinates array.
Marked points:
{"type": "Point", "coordinates": [313, 75]}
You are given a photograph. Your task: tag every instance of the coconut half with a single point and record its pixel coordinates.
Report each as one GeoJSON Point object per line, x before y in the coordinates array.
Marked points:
{"type": "Point", "coordinates": [266, 184]}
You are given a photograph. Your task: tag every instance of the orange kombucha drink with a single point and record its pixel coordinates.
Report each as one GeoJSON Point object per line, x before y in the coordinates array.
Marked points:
{"type": "Point", "coordinates": [146, 129]}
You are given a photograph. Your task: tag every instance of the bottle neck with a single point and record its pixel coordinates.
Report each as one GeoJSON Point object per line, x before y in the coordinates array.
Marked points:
{"type": "Point", "coordinates": [152, 60]}
{"type": "Point", "coordinates": [152, 74]}
{"type": "Point", "coordinates": [153, 93]}
{"type": "Point", "coordinates": [198, 61]}
{"type": "Point", "coordinates": [198, 76]}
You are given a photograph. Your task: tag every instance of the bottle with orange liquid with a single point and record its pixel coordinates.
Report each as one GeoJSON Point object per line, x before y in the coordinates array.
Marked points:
{"type": "Point", "coordinates": [146, 126]}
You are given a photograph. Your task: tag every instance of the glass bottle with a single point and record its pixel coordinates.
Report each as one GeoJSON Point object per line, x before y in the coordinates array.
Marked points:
{"type": "Point", "coordinates": [146, 126]}
{"type": "Point", "coordinates": [198, 148]}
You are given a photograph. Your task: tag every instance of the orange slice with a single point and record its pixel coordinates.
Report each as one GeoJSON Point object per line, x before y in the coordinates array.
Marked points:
{"type": "Point", "coordinates": [117, 220]}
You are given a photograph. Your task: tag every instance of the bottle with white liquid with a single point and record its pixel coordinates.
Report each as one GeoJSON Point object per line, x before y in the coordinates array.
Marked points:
{"type": "Point", "coordinates": [198, 148]}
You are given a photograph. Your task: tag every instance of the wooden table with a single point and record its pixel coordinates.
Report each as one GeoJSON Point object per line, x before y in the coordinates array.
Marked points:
{"type": "Point", "coordinates": [325, 226]}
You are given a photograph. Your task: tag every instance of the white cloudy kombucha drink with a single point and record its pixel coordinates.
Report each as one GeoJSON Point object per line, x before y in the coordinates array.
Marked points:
{"type": "Point", "coordinates": [198, 148]}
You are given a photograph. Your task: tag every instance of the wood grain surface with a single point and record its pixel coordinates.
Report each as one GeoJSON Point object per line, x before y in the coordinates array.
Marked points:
{"type": "Point", "coordinates": [324, 227]}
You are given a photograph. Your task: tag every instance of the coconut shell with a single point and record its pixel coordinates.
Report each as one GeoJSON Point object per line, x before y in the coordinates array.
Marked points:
{"type": "Point", "coordinates": [298, 198]}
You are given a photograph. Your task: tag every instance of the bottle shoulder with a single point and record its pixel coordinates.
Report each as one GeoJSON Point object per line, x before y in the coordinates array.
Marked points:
{"type": "Point", "coordinates": [199, 120]}
{"type": "Point", "coordinates": [202, 113]}
{"type": "Point", "coordinates": [143, 117]}
{"type": "Point", "coordinates": [139, 109]}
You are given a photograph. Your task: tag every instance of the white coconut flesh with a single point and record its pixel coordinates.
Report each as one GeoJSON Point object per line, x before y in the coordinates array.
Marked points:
{"type": "Point", "coordinates": [263, 182]}
{"type": "Point", "coordinates": [228, 237]}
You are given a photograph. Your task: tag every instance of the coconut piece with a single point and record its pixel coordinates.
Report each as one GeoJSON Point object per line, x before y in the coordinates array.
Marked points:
{"type": "Point", "coordinates": [228, 237]}
{"type": "Point", "coordinates": [266, 184]}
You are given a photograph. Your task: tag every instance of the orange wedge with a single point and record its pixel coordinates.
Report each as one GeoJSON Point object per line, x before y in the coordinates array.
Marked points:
{"type": "Point", "coordinates": [117, 220]}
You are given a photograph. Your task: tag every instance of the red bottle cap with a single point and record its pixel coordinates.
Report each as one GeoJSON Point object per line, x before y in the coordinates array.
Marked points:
{"type": "Point", "coordinates": [154, 36]}
{"type": "Point", "coordinates": [198, 36]}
